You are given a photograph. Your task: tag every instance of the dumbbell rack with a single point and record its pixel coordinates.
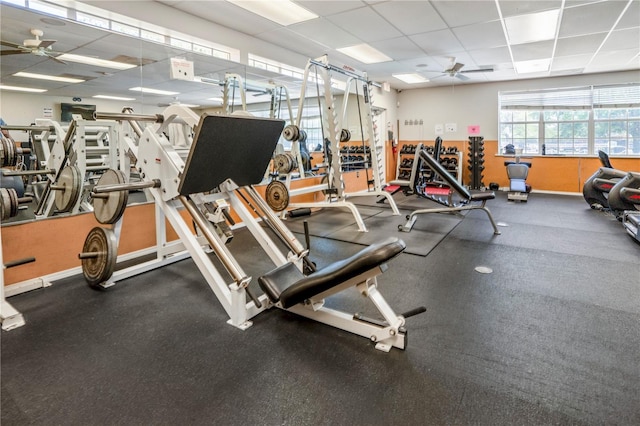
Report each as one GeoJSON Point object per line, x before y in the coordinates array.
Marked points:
{"type": "Point", "coordinates": [476, 161]}
{"type": "Point", "coordinates": [450, 158]}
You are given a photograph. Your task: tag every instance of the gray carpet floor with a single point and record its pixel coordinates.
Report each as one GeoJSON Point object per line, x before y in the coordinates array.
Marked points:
{"type": "Point", "coordinates": [551, 336]}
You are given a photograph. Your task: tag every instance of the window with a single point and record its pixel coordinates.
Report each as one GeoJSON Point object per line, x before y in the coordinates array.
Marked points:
{"type": "Point", "coordinates": [572, 121]}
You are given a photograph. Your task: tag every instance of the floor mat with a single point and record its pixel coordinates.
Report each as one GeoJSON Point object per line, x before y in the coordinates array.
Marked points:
{"type": "Point", "coordinates": [326, 221]}
{"type": "Point", "coordinates": [425, 236]}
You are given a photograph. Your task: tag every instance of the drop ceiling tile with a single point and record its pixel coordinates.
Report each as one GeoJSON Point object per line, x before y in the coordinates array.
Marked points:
{"type": "Point", "coordinates": [515, 8]}
{"type": "Point", "coordinates": [617, 60]}
{"type": "Point", "coordinates": [437, 42]}
{"type": "Point", "coordinates": [561, 63]}
{"type": "Point", "coordinates": [224, 13]}
{"type": "Point", "coordinates": [532, 51]}
{"type": "Point", "coordinates": [631, 18]}
{"type": "Point", "coordinates": [326, 8]}
{"type": "Point", "coordinates": [478, 36]}
{"type": "Point", "coordinates": [291, 41]}
{"type": "Point", "coordinates": [398, 48]}
{"type": "Point", "coordinates": [324, 32]}
{"type": "Point", "coordinates": [623, 39]}
{"type": "Point", "coordinates": [581, 44]}
{"type": "Point", "coordinates": [365, 24]}
{"type": "Point", "coordinates": [492, 56]}
{"type": "Point", "coordinates": [459, 13]}
{"type": "Point", "coordinates": [411, 17]}
{"type": "Point", "coordinates": [590, 18]}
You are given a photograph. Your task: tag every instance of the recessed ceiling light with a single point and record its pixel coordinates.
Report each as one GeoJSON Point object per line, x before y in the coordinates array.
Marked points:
{"type": "Point", "coordinates": [532, 27]}
{"type": "Point", "coordinates": [411, 78]}
{"type": "Point", "coordinates": [48, 77]}
{"type": "Point", "coordinates": [365, 54]}
{"type": "Point", "coordinates": [115, 98]}
{"type": "Point", "coordinates": [283, 12]}
{"type": "Point", "coordinates": [153, 91]}
{"type": "Point", "coordinates": [21, 89]}
{"type": "Point", "coordinates": [88, 60]}
{"type": "Point", "coordinates": [536, 65]}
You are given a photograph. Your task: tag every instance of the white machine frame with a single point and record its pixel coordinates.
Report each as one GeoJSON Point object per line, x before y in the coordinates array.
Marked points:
{"type": "Point", "coordinates": [158, 160]}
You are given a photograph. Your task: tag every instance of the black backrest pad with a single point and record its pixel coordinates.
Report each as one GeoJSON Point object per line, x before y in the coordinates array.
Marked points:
{"type": "Point", "coordinates": [444, 174]}
{"type": "Point", "coordinates": [229, 147]}
{"type": "Point", "coordinates": [341, 271]}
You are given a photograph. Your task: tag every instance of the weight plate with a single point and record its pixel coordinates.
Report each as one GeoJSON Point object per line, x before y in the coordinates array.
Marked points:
{"type": "Point", "coordinates": [98, 269]}
{"type": "Point", "coordinates": [6, 203]}
{"type": "Point", "coordinates": [277, 196]}
{"type": "Point", "coordinates": [291, 133]}
{"type": "Point", "coordinates": [13, 203]}
{"type": "Point", "coordinates": [345, 135]}
{"type": "Point", "coordinates": [284, 163]}
{"type": "Point", "coordinates": [3, 152]}
{"type": "Point", "coordinates": [109, 210]}
{"type": "Point", "coordinates": [71, 180]}
{"type": "Point", "coordinates": [302, 136]}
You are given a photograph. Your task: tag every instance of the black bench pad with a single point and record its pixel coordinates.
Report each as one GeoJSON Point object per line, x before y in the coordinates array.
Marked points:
{"type": "Point", "coordinates": [287, 285]}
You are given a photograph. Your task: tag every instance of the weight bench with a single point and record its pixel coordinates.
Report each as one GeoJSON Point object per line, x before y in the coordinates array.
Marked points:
{"type": "Point", "coordinates": [449, 207]}
{"type": "Point", "coordinates": [290, 289]}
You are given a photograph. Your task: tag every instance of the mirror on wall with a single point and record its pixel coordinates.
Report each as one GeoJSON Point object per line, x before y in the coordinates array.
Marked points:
{"type": "Point", "coordinates": [42, 86]}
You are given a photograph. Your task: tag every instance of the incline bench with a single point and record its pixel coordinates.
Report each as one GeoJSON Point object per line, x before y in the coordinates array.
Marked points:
{"type": "Point", "coordinates": [449, 207]}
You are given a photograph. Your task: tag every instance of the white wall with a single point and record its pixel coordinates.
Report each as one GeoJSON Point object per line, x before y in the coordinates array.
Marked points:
{"type": "Point", "coordinates": [477, 104]}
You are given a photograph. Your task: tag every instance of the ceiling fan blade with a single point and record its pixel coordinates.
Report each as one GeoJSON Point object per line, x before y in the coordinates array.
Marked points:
{"type": "Point", "coordinates": [490, 69]}
{"type": "Point", "coordinates": [461, 76]}
{"type": "Point", "coordinates": [8, 43]}
{"type": "Point", "coordinates": [12, 52]}
{"type": "Point", "coordinates": [57, 60]}
{"type": "Point", "coordinates": [457, 67]}
{"type": "Point", "coordinates": [46, 43]}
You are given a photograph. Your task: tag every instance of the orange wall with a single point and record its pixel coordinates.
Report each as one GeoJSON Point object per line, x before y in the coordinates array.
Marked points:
{"type": "Point", "coordinates": [56, 242]}
{"type": "Point", "coordinates": [548, 173]}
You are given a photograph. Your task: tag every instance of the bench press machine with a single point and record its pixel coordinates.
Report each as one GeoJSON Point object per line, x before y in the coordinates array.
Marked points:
{"type": "Point", "coordinates": [228, 155]}
{"type": "Point", "coordinates": [449, 205]}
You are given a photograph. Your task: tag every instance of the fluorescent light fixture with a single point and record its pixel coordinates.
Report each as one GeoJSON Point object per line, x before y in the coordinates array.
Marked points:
{"type": "Point", "coordinates": [411, 78]}
{"type": "Point", "coordinates": [153, 91]}
{"type": "Point", "coordinates": [48, 77]}
{"type": "Point", "coordinates": [114, 98]}
{"type": "Point", "coordinates": [88, 60]}
{"type": "Point", "coordinates": [283, 12]}
{"type": "Point", "coordinates": [365, 54]}
{"type": "Point", "coordinates": [536, 65]}
{"type": "Point", "coordinates": [533, 27]}
{"type": "Point", "coordinates": [215, 99]}
{"type": "Point", "coordinates": [21, 89]}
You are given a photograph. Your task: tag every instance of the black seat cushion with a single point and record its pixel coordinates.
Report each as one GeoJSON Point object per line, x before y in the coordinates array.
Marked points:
{"type": "Point", "coordinates": [288, 286]}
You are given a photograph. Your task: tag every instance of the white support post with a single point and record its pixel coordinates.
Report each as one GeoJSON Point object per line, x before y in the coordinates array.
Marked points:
{"type": "Point", "coordinates": [9, 315]}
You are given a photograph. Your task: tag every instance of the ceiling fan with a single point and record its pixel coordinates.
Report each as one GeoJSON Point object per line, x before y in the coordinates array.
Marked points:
{"type": "Point", "coordinates": [455, 71]}
{"type": "Point", "coordinates": [35, 46]}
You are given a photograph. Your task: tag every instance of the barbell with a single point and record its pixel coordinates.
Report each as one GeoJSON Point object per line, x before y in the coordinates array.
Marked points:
{"type": "Point", "coordinates": [68, 187]}
{"type": "Point", "coordinates": [110, 195]}
{"type": "Point", "coordinates": [9, 153]}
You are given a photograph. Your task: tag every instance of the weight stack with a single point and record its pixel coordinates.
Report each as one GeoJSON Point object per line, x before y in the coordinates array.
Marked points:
{"type": "Point", "coordinates": [476, 161]}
